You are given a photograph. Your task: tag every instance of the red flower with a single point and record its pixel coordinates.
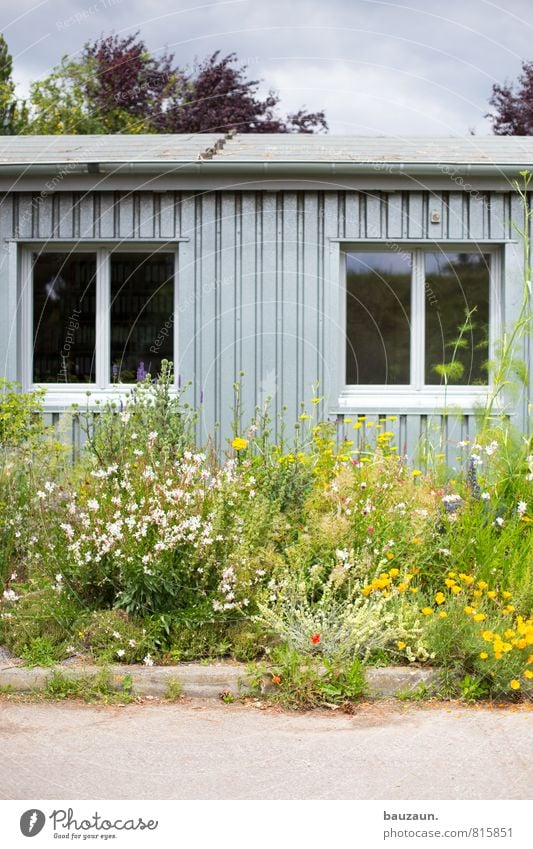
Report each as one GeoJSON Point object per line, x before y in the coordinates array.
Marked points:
{"type": "Point", "coordinates": [370, 529]}
{"type": "Point", "coordinates": [315, 639]}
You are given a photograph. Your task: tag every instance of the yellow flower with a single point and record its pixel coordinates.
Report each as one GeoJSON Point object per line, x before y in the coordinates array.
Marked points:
{"type": "Point", "coordinates": [468, 610]}
{"type": "Point", "coordinates": [416, 540]}
{"type": "Point", "coordinates": [414, 589]}
{"type": "Point", "coordinates": [303, 417]}
{"type": "Point", "coordinates": [468, 579]}
{"type": "Point", "coordinates": [483, 655]}
{"type": "Point", "coordinates": [450, 583]}
{"type": "Point", "coordinates": [427, 611]}
{"type": "Point", "coordinates": [477, 593]}
{"type": "Point", "coordinates": [394, 573]}
{"type": "Point", "coordinates": [479, 617]}
{"type": "Point", "coordinates": [357, 425]}
{"type": "Point", "coordinates": [239, 443]}
{"type": "Point", "coordinates": [348, 420]}
{"type": "Point", "coordinates": [452, 575]}
{"type": "Point", "coordinates": [316, 400]}
{"type": "Point", "coordinates": [456, 589]}
{"type": "Point", "coordinates": [402, 587]}
{"type": "Point", "coordinates": [491, 594]}
{"type": "Point", "coordinates": [488, 636]}
{"type": "Point", "coordinates": [506, 594]}
{"type": "Point", "coordinates": [416, 473]}
{"type": "Point", "coordinates": [482, 585]}
{"type": "Point", "coordinates": [389, 555]}
{"type": "Point", "coordinates": [528, 674]}
{"type": "Point", "coordinates": [514, 684]}
{"type": "Point", "coordinates": [509, 609]}
{"type": "Point", "coordinates": [509, 633]}
{"type": "Point", "coordinates": [401, 645]}
{"type": "Point", "coordinates": [440, 598]}
{"type": "Point", "coordinates": [442, 614]}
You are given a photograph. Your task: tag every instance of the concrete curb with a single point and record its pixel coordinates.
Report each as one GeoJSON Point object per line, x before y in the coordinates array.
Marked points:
{"type": "Point", "coordinates": [208, 681]}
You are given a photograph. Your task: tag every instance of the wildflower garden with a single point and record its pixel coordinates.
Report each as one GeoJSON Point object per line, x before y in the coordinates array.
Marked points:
{"type": "Point", "coordinates": [311, 557]}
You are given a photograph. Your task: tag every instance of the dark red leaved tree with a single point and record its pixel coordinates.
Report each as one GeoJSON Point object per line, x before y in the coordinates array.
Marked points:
{"type": "Point", "coordinates": [513, 105]}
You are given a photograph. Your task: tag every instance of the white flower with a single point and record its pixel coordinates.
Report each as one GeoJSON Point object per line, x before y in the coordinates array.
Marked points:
{"type": "Point", "coordinates": [41, 494]}
{"type": "Point", "coordinates": [116, 635]}
{"type": "Point", "coordinates": [120, 652]}
{"type": "Point", "coordinates": [485, 496]}
{"type": "Point", "coordinates": [498, 521]}
{"type": "Point", "coordinates": [10, 595]}
{"type": "Point", "coordinates": [521, 508]}
{"type": "Point", "coordinates": [92, 504]}
{"type": "Point", "coordinates": [132, 643]}
{"type": "Point", "coordinates": [147, 660]}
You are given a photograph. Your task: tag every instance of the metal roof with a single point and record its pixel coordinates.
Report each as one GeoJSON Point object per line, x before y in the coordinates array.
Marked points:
{"type": "Point", "coordinates": [316, 148]}
{"type": "Point", "coordinates": [251, 149]}
{"type": "Point", "coordinates": [41, 150]}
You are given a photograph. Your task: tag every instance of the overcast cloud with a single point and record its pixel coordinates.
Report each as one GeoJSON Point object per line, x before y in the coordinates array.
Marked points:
{"type": "Point", "coordinates": [375, 66]}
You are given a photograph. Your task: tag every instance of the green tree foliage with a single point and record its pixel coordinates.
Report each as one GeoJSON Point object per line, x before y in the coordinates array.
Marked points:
{"type": "Point", "coordinates": [118, 86]}
{"type": "Point", "coordinates": [13, 113]}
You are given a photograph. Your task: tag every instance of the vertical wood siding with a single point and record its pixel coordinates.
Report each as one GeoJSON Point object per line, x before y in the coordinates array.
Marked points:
{"type": "Point", "coordinates": [252, 292]}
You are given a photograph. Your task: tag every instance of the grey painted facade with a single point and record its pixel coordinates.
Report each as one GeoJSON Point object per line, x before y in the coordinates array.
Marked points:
{"type": "Point", "coordinates": [260, 285]}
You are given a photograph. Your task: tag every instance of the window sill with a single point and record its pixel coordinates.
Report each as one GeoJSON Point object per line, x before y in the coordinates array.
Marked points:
{"type": "Point", "coordinates": [59, 399]}
{"type": "Point", "coordinates": [409, 400]}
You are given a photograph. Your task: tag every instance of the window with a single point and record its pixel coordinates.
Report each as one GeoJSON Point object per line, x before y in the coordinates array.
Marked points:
{"type": "Point", "coordinates": [98, 317]}
{"type": "Point", "coordinates": [64, 318]}
{"type": "Point", "coordinates": [142, 298]}
{"type": "Point", "coordinates": [418, 318]}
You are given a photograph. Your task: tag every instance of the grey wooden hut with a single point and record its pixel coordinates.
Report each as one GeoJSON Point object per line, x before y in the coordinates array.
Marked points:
{"type": "Point", "coordinates": [343, 263]}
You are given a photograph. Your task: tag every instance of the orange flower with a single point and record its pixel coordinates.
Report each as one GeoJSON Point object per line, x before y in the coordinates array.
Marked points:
{"type": "Point", "coordinates": [315, 639]}
{"type": "Point", "coordinates": [276, 679]}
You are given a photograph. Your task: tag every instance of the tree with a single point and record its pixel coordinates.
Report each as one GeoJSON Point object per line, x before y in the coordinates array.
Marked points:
{"type": "Point", "coordinates": [513, 104]}
{"type": "Point", "coordinates": [117, 86]}
{"type": "Point", "coordinates": [12, 112]}
{"type": "Point", "coordinates": [218, 98]}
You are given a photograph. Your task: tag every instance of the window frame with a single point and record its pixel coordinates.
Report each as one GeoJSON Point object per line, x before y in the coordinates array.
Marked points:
{"type": "Point", "coordinates": [76, 393]}
{"type": "Point", "coordinates": [417, 394]}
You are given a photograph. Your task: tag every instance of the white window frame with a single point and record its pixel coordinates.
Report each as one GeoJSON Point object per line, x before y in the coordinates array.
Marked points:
{"type": "Point", "coordinates": [58, 395]}
{"type": "Point", "coordinates": [417, 395]}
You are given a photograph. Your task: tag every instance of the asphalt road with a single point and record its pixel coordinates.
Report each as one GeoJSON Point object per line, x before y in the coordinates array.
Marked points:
{"type": "Point", "coordinates": [208, 750]}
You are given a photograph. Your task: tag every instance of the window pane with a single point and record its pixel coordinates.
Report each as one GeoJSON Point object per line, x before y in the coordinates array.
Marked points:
{"type": "Point", "coordinates": [64, 317]}
{"type": "Point", "coordinates": [457, 346]}
{"type": "Point", "coordinates": [142, 314]}
{"type": "Point", "coordinates": [378, 311]}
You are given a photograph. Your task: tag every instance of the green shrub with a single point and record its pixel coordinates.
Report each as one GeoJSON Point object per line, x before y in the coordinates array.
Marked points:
{"type": "Point", "coordinates": [38, 617]}
{"type": "Point", "coordinates": [113, 636]}
{"type": "Point", "coordinates": [305, 681]}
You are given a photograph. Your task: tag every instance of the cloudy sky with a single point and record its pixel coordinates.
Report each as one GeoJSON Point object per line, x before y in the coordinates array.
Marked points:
{"type": "Point", "coordinates": [425, 67]}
